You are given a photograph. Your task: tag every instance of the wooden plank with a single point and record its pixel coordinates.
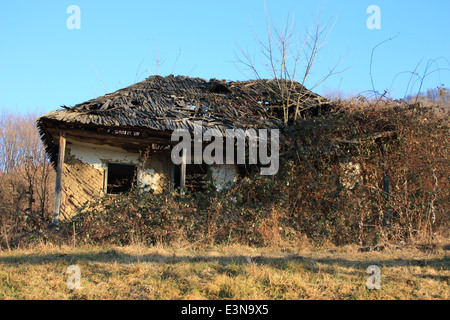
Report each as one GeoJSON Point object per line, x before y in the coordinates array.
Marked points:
{"type": "Point", "coordinates": [183, 172]}
{"type": "Point", "coordinates": [59, 168]}
{"type": "Point", "coordinates": [105, 179]}
{"type": "Point", "coordinates": [113, 139]}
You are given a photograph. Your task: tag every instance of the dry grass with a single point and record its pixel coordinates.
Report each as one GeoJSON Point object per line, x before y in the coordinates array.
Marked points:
{"type": "Point", "coordinates": [224, 272]}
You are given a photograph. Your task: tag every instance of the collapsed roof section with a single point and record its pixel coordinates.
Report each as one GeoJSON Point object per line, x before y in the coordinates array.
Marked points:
{"type": "Point", "coordinates": [159, 105]}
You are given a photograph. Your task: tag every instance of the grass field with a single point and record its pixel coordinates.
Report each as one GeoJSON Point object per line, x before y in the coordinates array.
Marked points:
{"type": "Point", "coordinates": [224, 272]}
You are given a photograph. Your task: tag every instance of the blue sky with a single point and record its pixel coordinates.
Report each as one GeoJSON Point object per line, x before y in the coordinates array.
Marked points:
{"type": "Point", "coordinates": [44, 64]}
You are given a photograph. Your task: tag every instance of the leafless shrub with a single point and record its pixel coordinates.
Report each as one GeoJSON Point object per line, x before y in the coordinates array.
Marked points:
{"type": "Point", "coordinates": [287, 60]}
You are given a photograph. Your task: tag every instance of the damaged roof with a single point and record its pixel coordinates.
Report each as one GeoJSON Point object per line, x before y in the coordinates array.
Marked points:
{"type": "Point", "coordinates": [164, 104]}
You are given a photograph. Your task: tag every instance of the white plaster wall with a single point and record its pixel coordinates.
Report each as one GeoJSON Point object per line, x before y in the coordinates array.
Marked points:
{"type": "Point", "coordinates": [98, 156]}
{"type": "Point", "coordinates": [147, 179]}
{"type": "Point", "coordinates": [223, 175]}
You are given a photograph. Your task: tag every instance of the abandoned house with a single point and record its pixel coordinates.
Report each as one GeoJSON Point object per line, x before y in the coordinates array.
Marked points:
{"type": "Point", "coordinates": [123, 139]}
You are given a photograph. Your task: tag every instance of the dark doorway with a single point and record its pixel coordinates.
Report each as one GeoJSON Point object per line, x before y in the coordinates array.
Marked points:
{"type": "Point", "coordinates": [120, 177]}
{"type": "Point", "coordinates": [196, 177]}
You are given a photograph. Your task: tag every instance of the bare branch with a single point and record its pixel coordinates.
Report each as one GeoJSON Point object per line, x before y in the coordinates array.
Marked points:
{"type": "Point", "coordinates": [283, 57]}
{"type": "Point", "coordinates": [371, 59]}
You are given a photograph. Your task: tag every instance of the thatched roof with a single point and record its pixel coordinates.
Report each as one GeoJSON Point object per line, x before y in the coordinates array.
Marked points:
{"type": "Point", "coordinates": [164, 104]}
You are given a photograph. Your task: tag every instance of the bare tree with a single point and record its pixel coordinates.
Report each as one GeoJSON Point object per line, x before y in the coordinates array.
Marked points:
{"type": "Point", "coordinates": [25, 173]}
{"type": "Point", "coordinates": [288, 61]}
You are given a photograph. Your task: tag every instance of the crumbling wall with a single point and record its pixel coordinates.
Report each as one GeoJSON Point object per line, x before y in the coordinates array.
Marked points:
{"type": "Point", "coordinates": [80, 183]}
{"type": "Point", "coordinates": [223, 175]}
{"type": "Point", "coordinates": [85, 171]}
{"type": "Point", "coordinates": [156, 174]}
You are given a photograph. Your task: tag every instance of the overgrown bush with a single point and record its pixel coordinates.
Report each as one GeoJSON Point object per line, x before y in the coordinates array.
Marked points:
{"type": "Point", "coordinates": [313, 195]}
